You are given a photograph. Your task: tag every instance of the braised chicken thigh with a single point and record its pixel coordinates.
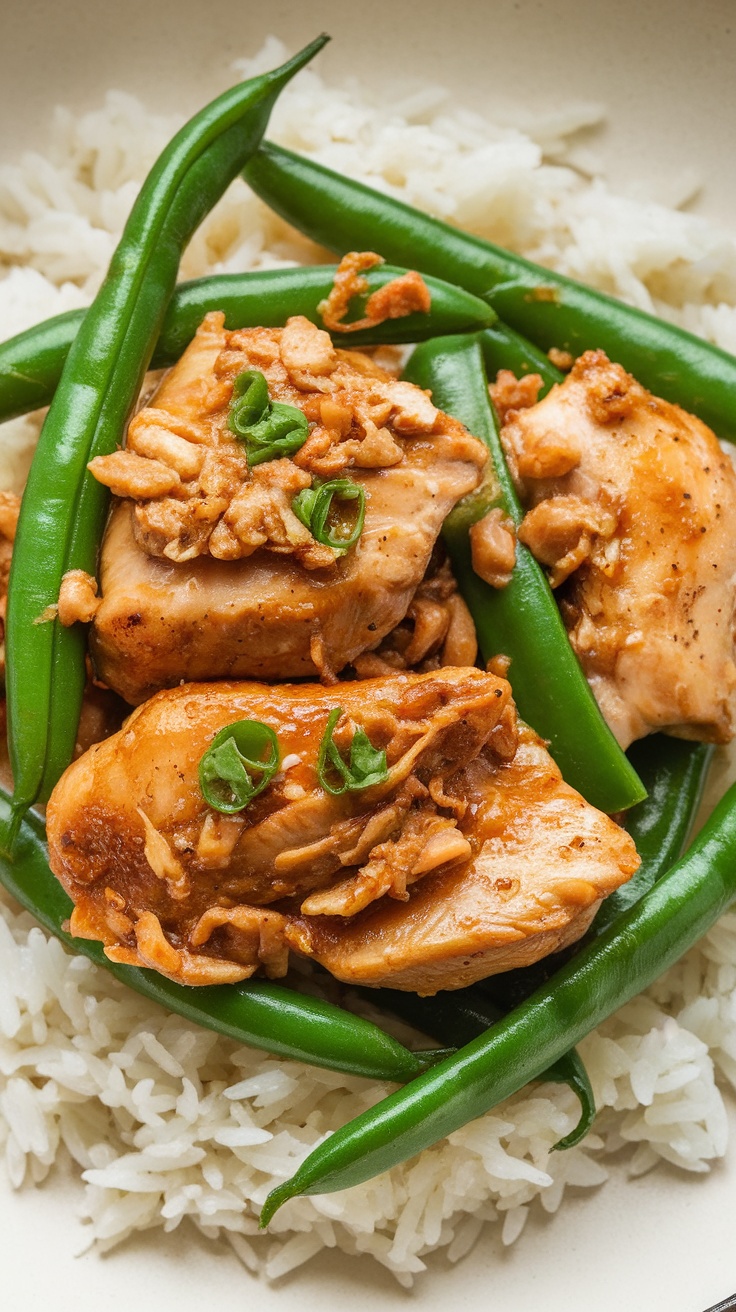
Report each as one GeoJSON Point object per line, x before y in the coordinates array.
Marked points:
{"type": "Point", "coordinates": [207, 571]}
{"type": "Point", "coordinates": [464, 854]}
{"type": "Point", "coordinates": [632, 507]}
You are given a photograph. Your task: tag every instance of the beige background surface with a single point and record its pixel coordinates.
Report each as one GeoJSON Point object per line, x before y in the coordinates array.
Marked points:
{"type": "Point", "coordinates": [666, 71]}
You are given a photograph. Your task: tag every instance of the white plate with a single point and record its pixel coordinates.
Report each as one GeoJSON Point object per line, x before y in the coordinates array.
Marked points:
{"type": "Point", "coordinates": [663, 1243]}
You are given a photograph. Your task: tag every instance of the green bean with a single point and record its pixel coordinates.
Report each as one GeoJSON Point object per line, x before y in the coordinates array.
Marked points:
{"type": "Point", "coordinates": [260, 1013]}
{"type": "Point", "coordinates": [31, 363]}
{"type": "Point", "coordinates": [64, 507]}
{"type": "Point", "coordinates": [460, 1016]}
{"type": "Point", "coordinates": [548, 308]}
{"type": "Point", "coordinates": [648, 939]}
{"type": "Point", "coordinates": [504, 349]}
{"type": "Point", "coordinates": [522, 620]}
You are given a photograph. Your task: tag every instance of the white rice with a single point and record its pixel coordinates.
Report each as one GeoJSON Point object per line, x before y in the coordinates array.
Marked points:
{"type": "Point", "coordinates": [166, 1121]}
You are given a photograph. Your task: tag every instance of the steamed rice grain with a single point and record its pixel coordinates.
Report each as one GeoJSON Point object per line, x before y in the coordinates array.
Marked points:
{"type": "Point", "coordinates": [167, 1122]}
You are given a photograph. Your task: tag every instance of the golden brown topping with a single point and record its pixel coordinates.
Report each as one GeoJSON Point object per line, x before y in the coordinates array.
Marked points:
{"type": "Point", "coordinates": [197, 487]}
{"type": "Point", "coordinates": [130, 475]}
{"type": "Point", "coordinates": [510, 393]}
{"type": "Point", "coordinates": [78, 600]}
{"type": "Point", "coordinates": [493, 548]}
{"type": "Point", "coordinates": [562, 360]}
{"type": "Point", "coordinates": [261, 514]}
{"type": "Point", "coordinates": [407, 294]}
{"type": "Point", "coordinates": [564, 531]}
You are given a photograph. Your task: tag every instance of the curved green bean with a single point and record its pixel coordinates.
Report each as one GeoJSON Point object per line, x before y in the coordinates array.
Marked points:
{"type": "Point", "coordinates": [625, 959]}
{"type": "Point", "coordinates": [31, 363]}
{"type": "Point", "coordinates": [548, 308]}
{"type": "Point", "coordinates": [63, 510]}
{"type": "Point", "coordinates": [460, 1016]}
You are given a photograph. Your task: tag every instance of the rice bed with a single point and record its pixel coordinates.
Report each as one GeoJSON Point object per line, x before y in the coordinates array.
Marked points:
{"type": "Point", "coordinates": [166, 1121]}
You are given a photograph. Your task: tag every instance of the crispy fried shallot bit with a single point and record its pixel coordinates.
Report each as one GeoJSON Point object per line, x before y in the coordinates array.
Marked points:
{"type": "Point", "coordinates": [407, 294]}
{"type": "Point", "coordinates": [347, 284]}
{"type": "Point", "coordinates": [78, 600]}
{"type": "Point", "coordinates": [510, 393]}
{"type": "Point", "coordinates": [561, 360]}
{"type": "Point", "coordinates": [189, 474]}
{"type": "Point", "coordinates": [631, 504]}
{"type": "Point", "coordinates": [469, 849]}
{"type": "Point", "coordinates": [493, 548]}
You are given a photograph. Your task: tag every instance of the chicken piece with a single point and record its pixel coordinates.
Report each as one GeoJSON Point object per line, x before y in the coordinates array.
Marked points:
{"type": "Point", "coordinates": [542, 861]}
{"type": "Point", "coordinates": [274, 604]}
{"type": "Point", "coordinates": [632, 505]}
{"type": "Point", "coordinates": [164, 881]}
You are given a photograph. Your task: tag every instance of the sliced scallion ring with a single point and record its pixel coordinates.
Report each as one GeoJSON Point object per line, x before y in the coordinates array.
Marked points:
{"type": "Point", "coordinates": [239, 763]}
{"type": "Point", "coordinates": [365, 767]}
{"type": "Point", "coordinates": [269, 429]}
{"type": "Point", "coordinates": [333, 512]}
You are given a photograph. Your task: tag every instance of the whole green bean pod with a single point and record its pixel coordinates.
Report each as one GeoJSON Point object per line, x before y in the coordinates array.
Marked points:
{"type": "Point", "coordinates": [31, 363]}
{"type": "Point", "coordinates": [674, 773]}
{"type": "Point", "coordinates": [548, 308]}
{"type": "Point", "coordinates": [259, 1013]}
{"type": "Point", "coordinates": [63, 508]}
{"type": "Point", "coordinates": [522, 620]}
{"type": "Point", "coordinates": [647, 940]}
{"type": "Point", "coordinates": [460, 1016]}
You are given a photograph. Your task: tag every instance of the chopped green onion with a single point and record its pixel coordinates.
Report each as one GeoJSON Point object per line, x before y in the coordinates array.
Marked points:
{"type": "Point", "coordinates": [367, 764]}
{"type": "Point", "coordinates": [250, 403]}
{"type": "Point", "coordinates": [270, 429]}
{"type": "Point", "coordinates": [316, 507]}
{"type": "Point", "coordinates": [237, 753]}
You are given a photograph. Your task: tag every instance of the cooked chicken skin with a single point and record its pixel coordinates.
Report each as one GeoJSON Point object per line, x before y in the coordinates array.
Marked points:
{"type": "Point", "coordinates": [214, 576]}
{"type": "Point", "coordinates": [473, 856]}
{"type": "Point", "coordinates": [632, 506]}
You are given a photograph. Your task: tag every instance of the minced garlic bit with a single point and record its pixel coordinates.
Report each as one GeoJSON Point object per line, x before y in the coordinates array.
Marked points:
{"type": "Point", "coordinates": [510, 393]}
{"type": "Point", "coordinates": [562, 360]}
{"type": "Point", "coordinates": [407, 294]}
{"type": "Point", "coordinates": [78, 600]}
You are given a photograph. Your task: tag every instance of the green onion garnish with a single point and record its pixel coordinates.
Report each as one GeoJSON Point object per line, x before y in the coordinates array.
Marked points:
{"type": "Point", "coordinates": [367, 764]}
{"type": "Point", "coordinates": [236, 754]}
{"type": "Point", "coordinates": [270, 429]}
{"type": "Point", "coordinates": [322, 509]}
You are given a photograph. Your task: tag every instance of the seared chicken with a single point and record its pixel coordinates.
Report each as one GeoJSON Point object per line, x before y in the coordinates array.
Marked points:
{"type": "Point", "coordinates": [207, 572]}
{"type": "Point", "coordinates": [470, 856]}
{"type": "Point", "coordinates": [632, 508]}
